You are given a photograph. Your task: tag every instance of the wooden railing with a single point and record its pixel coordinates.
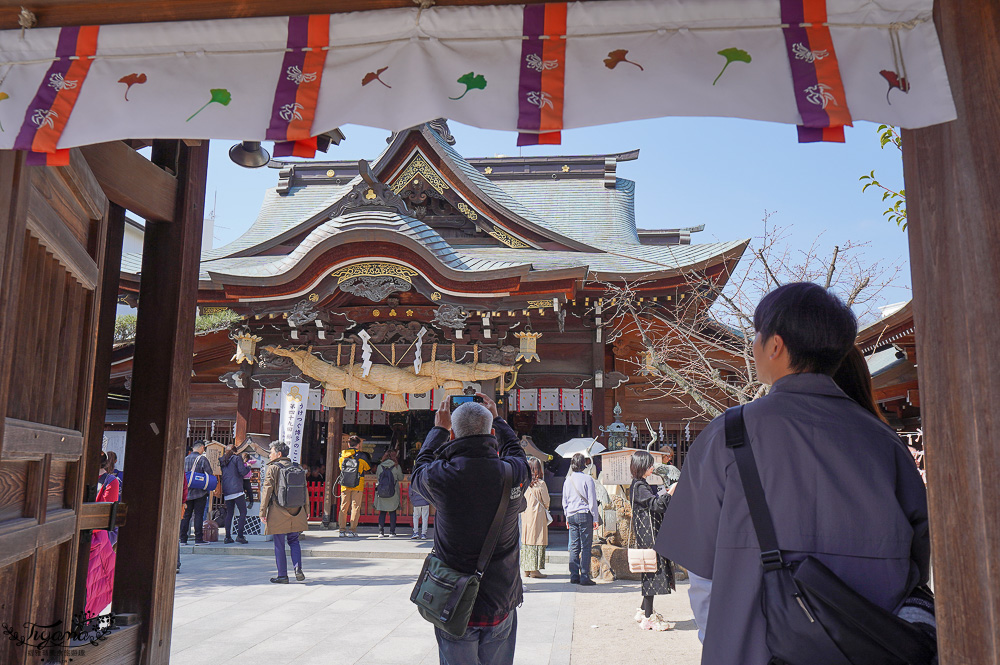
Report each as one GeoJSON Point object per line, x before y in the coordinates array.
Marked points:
{"type": "Point", "coordinates": [368, 513]}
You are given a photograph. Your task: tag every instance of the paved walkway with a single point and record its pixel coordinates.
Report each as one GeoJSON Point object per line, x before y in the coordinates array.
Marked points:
{"type": "Point", "coordinates": [354, 608]}
{"type": "Point", "coordinates": [327, 544]}
{"type": "Point", "coordinates": [347, 611]}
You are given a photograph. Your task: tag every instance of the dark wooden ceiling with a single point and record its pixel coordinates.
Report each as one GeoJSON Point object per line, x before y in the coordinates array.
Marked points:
{"type": "Point", "coordinates": [53, 13]}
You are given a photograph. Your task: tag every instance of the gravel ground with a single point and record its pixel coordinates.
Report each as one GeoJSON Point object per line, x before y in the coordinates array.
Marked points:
{"type": "Point", "coordinates": [604, 632]}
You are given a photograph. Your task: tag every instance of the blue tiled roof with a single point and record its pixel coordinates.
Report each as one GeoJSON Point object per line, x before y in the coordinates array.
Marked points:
{"type": "Point", "coordinates": [582, 209]}
{"type": "Point", "coordinates": [495, 192]}
{"type": "Point", "coordinates": [616, 259]}
{"type": "Point", "coordinates": [281, 213]}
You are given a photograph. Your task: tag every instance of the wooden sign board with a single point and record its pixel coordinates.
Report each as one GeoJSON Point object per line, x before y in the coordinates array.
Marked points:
{"type": "Point", "coordinates": [615, 466]}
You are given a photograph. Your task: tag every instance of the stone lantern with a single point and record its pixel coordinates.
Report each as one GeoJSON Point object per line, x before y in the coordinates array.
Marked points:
{"type": "Point", "coordinates": [618, 432]}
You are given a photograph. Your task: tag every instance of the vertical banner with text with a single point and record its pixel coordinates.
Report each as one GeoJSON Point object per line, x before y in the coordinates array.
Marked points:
{"type": "Point", "coordinates": [293, 416]}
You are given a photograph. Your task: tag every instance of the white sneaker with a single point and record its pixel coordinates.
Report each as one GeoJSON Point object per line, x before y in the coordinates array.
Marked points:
{"type": "Point", "coordinates": [415, 536]}
{"type": "Point", "coordinates": [381, 535]}
{"type": "Point", "coordinates": [657, 623]}
{"type": "Point", "coordinates": [640, 614]}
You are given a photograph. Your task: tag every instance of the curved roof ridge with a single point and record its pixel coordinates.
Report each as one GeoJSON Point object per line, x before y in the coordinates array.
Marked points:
{"type": "Point", "coordinates": [353, 220]}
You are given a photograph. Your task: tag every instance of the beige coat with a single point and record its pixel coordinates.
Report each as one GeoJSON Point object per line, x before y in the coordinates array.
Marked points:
{"type": "Point", "coordinates": [534, 523]}
{"type": "Point", "coordinates": [279, 520]}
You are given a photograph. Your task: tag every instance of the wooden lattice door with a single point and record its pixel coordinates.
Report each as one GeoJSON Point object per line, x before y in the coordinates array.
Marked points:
{"type": "Point", "coordinates": [52, 243]}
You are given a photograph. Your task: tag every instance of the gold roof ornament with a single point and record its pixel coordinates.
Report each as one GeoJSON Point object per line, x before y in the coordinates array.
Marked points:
{"type": "Point", "coordinates": [529, 344]}
{"type": "Point", "coordinates": [246, 347]}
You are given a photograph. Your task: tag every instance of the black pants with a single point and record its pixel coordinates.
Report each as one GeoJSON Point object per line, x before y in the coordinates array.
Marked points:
{"type": "Point", "coordinates": [193, 508]}
{"type": "Point", "coordinates": [239, 503]}
{"type": "Point", "coordinates": [392, 521]}
{"type": "Point", "coordinates": [647, 605]}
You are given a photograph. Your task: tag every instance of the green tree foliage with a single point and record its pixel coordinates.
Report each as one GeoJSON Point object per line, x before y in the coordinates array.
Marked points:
{"type": "Point", "coordinates": [125, 324]}
{"type": "Point", "coordinates": [897, 200]}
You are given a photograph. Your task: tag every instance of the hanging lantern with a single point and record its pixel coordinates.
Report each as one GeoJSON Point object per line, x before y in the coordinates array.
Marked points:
{"type": "Point", "coordinates": [529, 345]}
{"type": "Point", "coordinates": [246, 346]}
{"type": "Point", "coordinates": [648, 364]}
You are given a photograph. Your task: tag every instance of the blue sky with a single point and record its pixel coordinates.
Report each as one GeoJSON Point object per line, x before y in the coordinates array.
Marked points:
{"type": "Point", "coordinates": [722, 173]}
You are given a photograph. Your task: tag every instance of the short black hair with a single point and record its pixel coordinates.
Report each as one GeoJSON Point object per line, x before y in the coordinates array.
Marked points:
{"type": "Point", "coordinates": [282, 448]}
{"type": "Point", "coordinates": [640, 463]}
{"type": "Point", "coordinates": [815, 325]}
{"type": "Point", "coordinates": [578, 463]}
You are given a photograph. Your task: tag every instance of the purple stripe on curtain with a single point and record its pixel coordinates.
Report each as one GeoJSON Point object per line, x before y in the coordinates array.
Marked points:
{"type": "Point", "coordinates": [287, 88]}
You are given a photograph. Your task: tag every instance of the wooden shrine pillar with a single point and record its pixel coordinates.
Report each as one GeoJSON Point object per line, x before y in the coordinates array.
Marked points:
{"type": "Point", "coordinates": [954, 230]}
{"type": "Point", "coordinates": [244, 414]}
{"type": "Point", "coordinates": [164, 344]}
{"type": "Point", "coordinates": [598, 411]}
{"type": "Point", "coordinates": [334, 444]}
{"type": "Point", "coordinates": [93, 443]}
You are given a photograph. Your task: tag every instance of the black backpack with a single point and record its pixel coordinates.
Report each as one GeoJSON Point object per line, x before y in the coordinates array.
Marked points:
{"type": "Point", "coordinates": [386, 483]}
{"type": "Point", "coordinates": [349, 475]}
{"type": "Point", "coordinates": [292, 491]}
{"type": "Point", "coordinates": [814, 617]}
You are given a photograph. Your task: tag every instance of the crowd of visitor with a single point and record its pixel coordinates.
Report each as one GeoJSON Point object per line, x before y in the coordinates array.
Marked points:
{"type": "Point", "coordinates": [823, 452]}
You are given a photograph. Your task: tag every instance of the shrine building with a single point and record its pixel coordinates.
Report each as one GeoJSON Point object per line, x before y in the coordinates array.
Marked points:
{"type": "Point", "coordinates": [391, 285]}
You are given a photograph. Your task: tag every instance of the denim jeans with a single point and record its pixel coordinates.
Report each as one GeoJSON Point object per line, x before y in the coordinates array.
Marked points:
{"type": "Point", "coordinates": [493, 645]}
{"type": "Point", "coordinates": [279, 552]}
{"type": "Point", "coordinates": [581, 541]}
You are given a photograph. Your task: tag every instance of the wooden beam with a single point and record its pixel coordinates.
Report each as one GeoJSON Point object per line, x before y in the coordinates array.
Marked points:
{"type": "Point", "coordinates": [950, 172]}
{"type": "Point", "coordinates": [158, 410]}
{"type": "Point", "coordinates": [334, 443]}
{"type": "Point", "coordinates": [24, 440]}
{"type": "Point", "coordinates": [98, 516]}
{"type": "Point", "coordinates": [52, 13]}
{"type": "Point", "coordinates": [120, 647]}
{"type": "Point", "coordinates": [132, 181]}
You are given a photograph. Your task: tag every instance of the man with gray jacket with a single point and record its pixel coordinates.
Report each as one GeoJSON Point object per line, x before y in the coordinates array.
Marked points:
{"type": "Point", "coordinates": [196, 462]}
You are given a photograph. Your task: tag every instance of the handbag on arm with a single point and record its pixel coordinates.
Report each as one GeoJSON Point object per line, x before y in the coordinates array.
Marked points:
{"type": "Point", "coordinates": [813, 616]}
{"type": "Point", "coordinates": [445, 596]}
{"type": "Point", "coordinates": [640, 560]}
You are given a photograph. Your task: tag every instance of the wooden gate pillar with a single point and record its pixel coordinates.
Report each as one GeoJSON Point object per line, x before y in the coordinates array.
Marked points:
{"type": "Point", "coordinates": [164, 343]}
{"type": "Point", "coordinates": [334, 443]}
{"type": "Point", "coordinates": [954, 228]}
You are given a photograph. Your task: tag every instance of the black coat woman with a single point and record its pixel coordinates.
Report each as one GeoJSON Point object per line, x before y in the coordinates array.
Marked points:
{"type": "Point", "coordinates": [648, 506]}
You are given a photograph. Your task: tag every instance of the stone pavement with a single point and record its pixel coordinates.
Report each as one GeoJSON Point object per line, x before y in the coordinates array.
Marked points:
{"type": "Point", "coordinates": [347, 611]}
{"type": "Point", "coordinates": [325, 543]}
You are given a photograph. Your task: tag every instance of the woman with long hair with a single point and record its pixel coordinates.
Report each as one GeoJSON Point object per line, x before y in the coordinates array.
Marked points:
{"type": "Point", "coordinates": [648, 507]}
{"type": "Point", "coordinates": [388, 475]}
{"type": "Point", "coordinates": [854, 378]}
{"type": "Point", "coordinates": [234, 469]}
{"type": "Point", "coordinates": [535, 522]}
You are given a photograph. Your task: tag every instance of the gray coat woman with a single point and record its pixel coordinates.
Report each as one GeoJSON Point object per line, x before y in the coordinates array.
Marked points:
{"type": "Point", "coordinates": [387, 505]}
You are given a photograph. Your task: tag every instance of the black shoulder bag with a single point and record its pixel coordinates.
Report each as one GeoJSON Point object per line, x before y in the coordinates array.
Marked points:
{"type": "Point", "coordinates": [814, 617]}
{"type": "Point", "coordinates": [445, 596]}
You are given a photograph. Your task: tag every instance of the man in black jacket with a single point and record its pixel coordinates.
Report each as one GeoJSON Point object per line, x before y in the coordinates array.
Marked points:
{"type": "Point", "coordinates": [462, 477]}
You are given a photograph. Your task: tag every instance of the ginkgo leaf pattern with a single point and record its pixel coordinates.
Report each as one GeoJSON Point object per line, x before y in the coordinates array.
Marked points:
{"type": "Point", "coordinates": [732, 55]}
{"type": "Point", "coordinates": [374, 76]}
{"type": "Point", "coordinates": [219, 96]}
{"type": "Point", "coordinates": [617, 57]}
{"type": "Point", "coordinates": [130, 80]}
{"type": "Point", "coordinates": [471, 81]}
{"type": "Point", "coordinates": [895, 81]}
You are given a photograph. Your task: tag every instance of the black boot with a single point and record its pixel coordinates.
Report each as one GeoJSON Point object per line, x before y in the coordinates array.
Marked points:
{"type": "Point", "coordinates": [299, 575]}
